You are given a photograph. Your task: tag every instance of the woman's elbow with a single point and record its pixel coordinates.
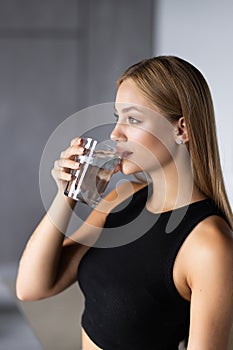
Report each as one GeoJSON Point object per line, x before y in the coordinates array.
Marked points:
{"type": "Point", "coordinates": [27, 293]}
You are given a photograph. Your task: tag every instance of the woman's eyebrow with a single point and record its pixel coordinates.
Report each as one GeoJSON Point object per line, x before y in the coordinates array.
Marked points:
{"type": "Point", "coordinates": [128, 109]}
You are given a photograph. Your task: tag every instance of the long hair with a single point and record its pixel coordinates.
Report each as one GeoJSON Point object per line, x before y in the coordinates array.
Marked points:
{"type": "Point", "coordinates": [178, 89]}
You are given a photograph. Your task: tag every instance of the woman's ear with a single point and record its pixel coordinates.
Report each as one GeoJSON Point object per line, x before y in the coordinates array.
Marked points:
{"type": "Point", "coordinates": [182, 132]}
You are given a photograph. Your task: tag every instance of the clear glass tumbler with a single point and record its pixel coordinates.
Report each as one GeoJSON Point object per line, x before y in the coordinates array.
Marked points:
{"type": "Point", "coordinates": [97, 166]}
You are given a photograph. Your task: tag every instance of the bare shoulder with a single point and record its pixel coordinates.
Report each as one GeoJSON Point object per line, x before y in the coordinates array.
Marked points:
{"type": "Point", "coordinates": [209, 249]}
{"type": "Point", "coordinates": [215, 234]}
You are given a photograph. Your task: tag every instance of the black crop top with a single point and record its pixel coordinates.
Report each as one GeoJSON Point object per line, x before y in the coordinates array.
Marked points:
{"type": "Point", "coordinates": [131, 302]}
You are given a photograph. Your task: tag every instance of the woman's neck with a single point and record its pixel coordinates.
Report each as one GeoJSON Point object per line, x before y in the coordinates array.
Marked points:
{"type": "Point", "coordinates": [173, 187]}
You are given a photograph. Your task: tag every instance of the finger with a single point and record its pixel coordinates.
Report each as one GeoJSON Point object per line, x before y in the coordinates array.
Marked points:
{"type": "Point", "coordinates": [61, 175]}
{"type": "Point", "coordinates": [72, 151]}
{"type": "Point", "coordinates": [77, 141]}
{"type": "Point", "coordinates": [117, 168]}
{"type": "Point", "coordinates": [66, 163]}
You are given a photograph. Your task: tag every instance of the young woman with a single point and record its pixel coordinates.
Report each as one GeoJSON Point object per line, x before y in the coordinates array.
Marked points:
{"type": "Point", "coordinates": [173, 278]}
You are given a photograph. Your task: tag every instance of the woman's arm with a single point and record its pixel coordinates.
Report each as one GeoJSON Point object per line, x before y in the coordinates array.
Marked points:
{"type": "Point", "coordinates": [210, 279]}
{"type": "Point", "coordinates": [49, 262]}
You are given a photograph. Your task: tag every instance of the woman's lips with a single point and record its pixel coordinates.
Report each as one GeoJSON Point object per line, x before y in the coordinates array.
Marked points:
{"type": "Point", "coordinates": [124, 153]}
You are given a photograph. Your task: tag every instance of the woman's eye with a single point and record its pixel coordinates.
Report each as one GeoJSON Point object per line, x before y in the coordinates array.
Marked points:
{"type": "Point", "coordinates": [133, 120]}
{"type": "Point", "coordinates": [116, 117]}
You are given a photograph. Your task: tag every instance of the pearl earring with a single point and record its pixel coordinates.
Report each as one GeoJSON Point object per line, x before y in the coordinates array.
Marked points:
{"type": "Point", "coordinates": [179, 142]}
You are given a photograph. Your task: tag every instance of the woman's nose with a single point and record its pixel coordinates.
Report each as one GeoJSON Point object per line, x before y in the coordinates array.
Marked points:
{"type": "Point", "coordinates": [118, 134]}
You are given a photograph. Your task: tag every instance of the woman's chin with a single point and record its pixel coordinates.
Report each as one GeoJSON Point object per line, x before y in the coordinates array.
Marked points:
{"type": "Point", "coordinates": [129, 168]}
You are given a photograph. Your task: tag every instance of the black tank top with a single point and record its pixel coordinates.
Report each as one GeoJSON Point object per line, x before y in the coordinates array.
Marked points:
{"type": "Point", "coordinates": [131, 302]}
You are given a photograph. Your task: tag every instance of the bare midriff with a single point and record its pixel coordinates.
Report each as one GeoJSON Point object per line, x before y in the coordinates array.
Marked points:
{"type": "Point", "coordinates": [87, 343]}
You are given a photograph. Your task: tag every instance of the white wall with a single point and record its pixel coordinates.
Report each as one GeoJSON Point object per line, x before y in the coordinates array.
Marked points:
{"type": "Point", "coordinates": [201, 32]}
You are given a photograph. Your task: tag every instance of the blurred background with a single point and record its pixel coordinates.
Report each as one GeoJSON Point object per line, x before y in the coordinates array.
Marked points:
{"type": "Point", "coordinates": [56, 58]}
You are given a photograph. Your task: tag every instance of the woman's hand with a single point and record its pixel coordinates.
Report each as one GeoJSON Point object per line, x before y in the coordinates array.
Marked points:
{"type": "Point", "coordinates": [62, 170]}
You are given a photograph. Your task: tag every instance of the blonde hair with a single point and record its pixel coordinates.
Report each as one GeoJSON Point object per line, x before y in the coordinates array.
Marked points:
{"type": "Point", "coordinates": [178, 89]}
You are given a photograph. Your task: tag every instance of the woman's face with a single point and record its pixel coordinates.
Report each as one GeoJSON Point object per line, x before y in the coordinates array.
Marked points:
{"type": "Point", "coordinates": [145, 138]}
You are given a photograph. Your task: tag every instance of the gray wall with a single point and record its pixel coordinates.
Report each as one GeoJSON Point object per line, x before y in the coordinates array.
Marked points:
{"type": "Point", "coordinates": [57, 56]}
{"type": "Point", "coordinates": [202, 33]}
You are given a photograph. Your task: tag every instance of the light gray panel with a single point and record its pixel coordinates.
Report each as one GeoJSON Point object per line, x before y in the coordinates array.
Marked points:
{"type": "Point", "coordinates": [201, 32]}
